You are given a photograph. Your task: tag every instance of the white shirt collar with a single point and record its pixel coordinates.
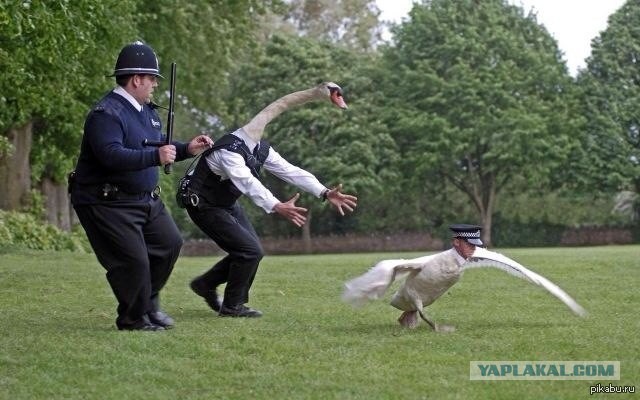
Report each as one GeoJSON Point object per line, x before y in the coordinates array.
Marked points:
{"type": "Point", "coordinates": [247, 140]}
{"type": "Point", "coordinates": [120, 90]}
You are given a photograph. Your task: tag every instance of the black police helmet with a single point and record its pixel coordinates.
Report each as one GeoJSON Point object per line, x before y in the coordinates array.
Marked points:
{"type": "Point", "coordinates": [137, 58]}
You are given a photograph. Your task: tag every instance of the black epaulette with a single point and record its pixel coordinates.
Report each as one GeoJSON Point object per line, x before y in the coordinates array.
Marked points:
{"type": "Point", "coordinates": [235, 145]}
{"type": "Point", "coordinates": [98, 108]}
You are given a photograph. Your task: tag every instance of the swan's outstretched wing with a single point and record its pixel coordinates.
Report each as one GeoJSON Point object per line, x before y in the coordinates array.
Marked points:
{"type": "Point", "coordinates": [484, 258]}
{"type": "Point", "coordinates": [375, 282]}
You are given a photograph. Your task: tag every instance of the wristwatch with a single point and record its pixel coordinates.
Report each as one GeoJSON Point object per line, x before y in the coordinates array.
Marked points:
{"type": "Point", "coordinates": [324, 194]}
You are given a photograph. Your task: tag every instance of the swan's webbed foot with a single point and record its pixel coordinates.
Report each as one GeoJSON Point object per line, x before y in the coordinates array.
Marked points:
{"type": "Point", "coordinates": [409, 319]}
{"type": "Point", "coordinates": [445, 328]}
{"type": "Point", "coordinates": [427, 320]}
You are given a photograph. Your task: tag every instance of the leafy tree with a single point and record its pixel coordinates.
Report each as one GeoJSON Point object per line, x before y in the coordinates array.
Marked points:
{"type": "Point", "coordinates": [480, 99]}
{"type": "Point", "coordinates": [53, 56]}
{"type": "Point", "coordinates": [204, 38]}
{"type": "Point", "coordinates": [611, 94]}
{"type": "Point", "coordinates": [350, 23]}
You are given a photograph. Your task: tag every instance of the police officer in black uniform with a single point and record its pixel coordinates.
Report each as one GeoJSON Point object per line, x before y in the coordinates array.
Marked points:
{"type": "Point", "coordinates": [225, 172]}
{"type": "Point", "coordinates": [115, 194]}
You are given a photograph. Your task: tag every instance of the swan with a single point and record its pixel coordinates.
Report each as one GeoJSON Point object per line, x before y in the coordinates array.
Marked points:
{"type": "Point", "coordinates": [324, 91]}
{"type": "Point", "coordinates": [429, 277]}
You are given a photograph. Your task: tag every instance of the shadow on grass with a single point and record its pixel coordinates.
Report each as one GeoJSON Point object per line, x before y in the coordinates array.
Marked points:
{"type": "Point", "coordinates": [393, 328]}
{"type": "Point", "coordinates": [195, 314]}
{"type": "Point", "coordinates": [512, 324]}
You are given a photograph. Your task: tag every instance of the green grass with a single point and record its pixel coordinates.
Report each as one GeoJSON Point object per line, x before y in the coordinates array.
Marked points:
{"type": "Point", "coordinates": [58, 339]}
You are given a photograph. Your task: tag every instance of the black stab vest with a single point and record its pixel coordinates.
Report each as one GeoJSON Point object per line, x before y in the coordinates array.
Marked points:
{"type": "Point", "coordinates": [210, 187]}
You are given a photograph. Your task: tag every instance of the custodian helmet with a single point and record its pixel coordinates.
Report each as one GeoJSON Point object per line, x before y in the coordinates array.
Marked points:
{"type": "Point", "coordinates": [137, 58]}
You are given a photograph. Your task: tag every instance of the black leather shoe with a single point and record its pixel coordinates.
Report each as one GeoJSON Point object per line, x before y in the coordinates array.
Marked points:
{"type": "Point", "coordinates": [239, 311]}
{"type": "Point", "coordinates": [142, 325]}
{"type": "Point", "coordinates": [210, 296]}
{"type": "Point", "coordinates": [161, 318]}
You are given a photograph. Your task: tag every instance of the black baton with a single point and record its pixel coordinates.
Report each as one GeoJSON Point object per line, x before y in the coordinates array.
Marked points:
{"type": "Point", "coordinates": [169, 139]}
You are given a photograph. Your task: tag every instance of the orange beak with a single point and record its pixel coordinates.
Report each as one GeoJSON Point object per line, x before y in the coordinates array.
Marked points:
{"type": "Point", "coordinates": [336, 98]}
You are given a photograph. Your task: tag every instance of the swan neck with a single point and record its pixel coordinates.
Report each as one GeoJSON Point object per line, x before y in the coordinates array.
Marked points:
{"type": "Point", "coordinates": [255, 127]}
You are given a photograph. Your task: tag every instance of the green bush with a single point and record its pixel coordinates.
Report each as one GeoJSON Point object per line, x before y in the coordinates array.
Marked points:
{"type": "Point", "coordinates": [635, 233]}
{"type": "Point", "coordinates": [25, 231]}
{"type": "Point", "coordinates": [509, 233]}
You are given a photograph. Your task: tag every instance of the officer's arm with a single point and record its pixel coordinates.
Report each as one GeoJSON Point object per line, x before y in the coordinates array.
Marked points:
{"type": "Point", "coordinates": [292, 174]}
{"type": "Point", "coordinates": [105, 136]}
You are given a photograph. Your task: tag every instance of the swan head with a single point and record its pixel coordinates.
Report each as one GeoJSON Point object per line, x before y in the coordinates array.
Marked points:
{"type": "Point", "coordinates": [333, 93]}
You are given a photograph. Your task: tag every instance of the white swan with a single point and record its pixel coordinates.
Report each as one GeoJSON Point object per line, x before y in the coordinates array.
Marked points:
{"type": "Point", "coordinates": [431, 276]}
{"type": "Point", "coordinates": [324, 91]}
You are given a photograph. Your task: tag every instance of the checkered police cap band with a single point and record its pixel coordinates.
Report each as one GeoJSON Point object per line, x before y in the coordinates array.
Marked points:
{"type": "Point", "coordinates": [475, 234]}
{"type": "Point", "coordinates": [467, 232]}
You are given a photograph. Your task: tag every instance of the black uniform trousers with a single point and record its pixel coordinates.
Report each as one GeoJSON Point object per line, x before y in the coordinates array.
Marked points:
{"type": "Point", "coordinates": [138, 244]}
{"type": "Point", "coordinates": [230, 228]}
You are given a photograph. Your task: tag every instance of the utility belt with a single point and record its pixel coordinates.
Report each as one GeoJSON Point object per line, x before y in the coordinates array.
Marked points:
{"type": "Point", "coordinates": [110, 192]}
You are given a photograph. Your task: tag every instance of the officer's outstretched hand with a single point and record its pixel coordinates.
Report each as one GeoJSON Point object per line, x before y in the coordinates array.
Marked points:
{"type": "Point", "coordinates": [290, 211]}
{"type": "Point", "coordinates": [340, 200]}
{"type": "Point", "coordinates": [199, 144]}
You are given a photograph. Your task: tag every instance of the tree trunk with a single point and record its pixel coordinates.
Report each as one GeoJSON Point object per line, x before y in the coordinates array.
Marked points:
{"type": "Point", "coordinates": [487, 221]}
{"type": "Point", "coordinates": [635, 217]}
{"type": "Point", "coordinates": [483, 195]}
{"type": "Point", "coordinates": [487, 214]}
{"type": "Point", "coordinates": [57, 204]}
{"type": "Point", "coordinates": [15, 171]}
{"type": "Point", "coordinates": [306, 235]}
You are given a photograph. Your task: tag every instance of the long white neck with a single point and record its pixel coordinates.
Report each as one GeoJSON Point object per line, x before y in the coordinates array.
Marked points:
{"type": "Point", "coordinates": [255, 127]}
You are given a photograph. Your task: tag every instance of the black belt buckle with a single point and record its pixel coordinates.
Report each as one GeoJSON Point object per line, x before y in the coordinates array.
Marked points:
{"type": "Point", "coordinates": [108, 192]}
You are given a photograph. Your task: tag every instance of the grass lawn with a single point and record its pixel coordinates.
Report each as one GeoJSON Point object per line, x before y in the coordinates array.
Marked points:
{"type": "Point", "coordinates": [58, 339]}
